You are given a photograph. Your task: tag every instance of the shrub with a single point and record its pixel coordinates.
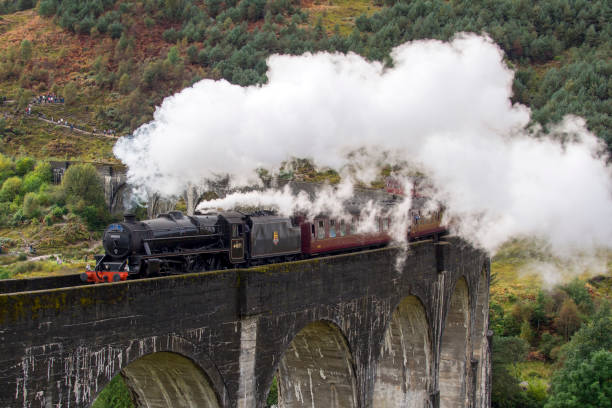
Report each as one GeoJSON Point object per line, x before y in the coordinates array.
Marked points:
{"type": "Point", "coordinates": [43, 172]}
{"type": "Point", "coordinates": [170, 35]}
{"type": "Point", "coordinates": [70, 93]}
{"type": "Point", "coordinates": [25, 4]}
{"type": "Point", "coordinates": [124, 83]}
{"type": "Point", "coordinates": [580, 295]}
{"type": "Point", "coordinates": [584, 379]}
{"type": "Point", "coordinates": [24, 165]}
{"type": "Point", "coordinates": [24, 267]}
{"type": "Point", "coordinates": [31, 183]}
{"type": "Point", "coordinates": [26, 50]}
{"type": "Point", "coordinates": [5, 273]}
{"type": "Point", "coordinates": [17, 218]}
{"type": "Point", "coordinates": [115, 29]}
{"type": "Point", "coordinates": [115, 394]}
{"type": "Point", "coordinates": [31, 206]}
{"type": "Point", "coordinates": [94, 217]}
{"type": "Point", "coordinates": [47, 8]}
{"type": "Point", "coordinates": [6, 168]}
{"type": "Point", "coordinates": [548, 343]}
{"type": "Point", "coordinates": [10, 189]}
{"type": "Point", "coordinates": [82, 183]}
{"type": "Point", "coordinates": [173, 56]}
{"type": "Point", "coordinates": [568, 320]}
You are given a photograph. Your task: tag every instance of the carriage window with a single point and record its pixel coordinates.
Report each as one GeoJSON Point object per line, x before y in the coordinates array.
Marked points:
{"type": "Point", "coordinates": [354, 226]}
{"type": "Point", "coordinates": [378, 223]}
{"type": "Point", "coordinates": [385, 224]}
{"type": "Point", "coordinates": [234, 230]}
{"type": "Point", "coordinates": [321, 230]}
{"type": "Point", "coordinates": [342, 228]}
{"type": "Point", "coordinates": [312, 231]}
{"type": "Point", "coordinates": [332, 228]}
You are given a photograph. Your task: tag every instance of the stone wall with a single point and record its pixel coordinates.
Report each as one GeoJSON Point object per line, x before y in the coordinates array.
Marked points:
{"type": "Point", "coordinates": [343, 331]}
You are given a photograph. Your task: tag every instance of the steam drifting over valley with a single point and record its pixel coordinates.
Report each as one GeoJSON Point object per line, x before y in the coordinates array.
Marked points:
{"type": "Point", "coordinates": [442, 108]}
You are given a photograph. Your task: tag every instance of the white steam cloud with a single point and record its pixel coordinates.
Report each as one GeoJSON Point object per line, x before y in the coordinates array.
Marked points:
{"type": "Point", "coordinates": [443, 107]}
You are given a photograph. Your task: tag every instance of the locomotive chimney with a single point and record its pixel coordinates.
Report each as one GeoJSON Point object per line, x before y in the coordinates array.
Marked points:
{"type": "Point", "coordinates": [129, 218]}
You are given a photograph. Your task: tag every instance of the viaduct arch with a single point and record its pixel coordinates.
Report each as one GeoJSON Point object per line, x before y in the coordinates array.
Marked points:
{"type": "Point", "coordinates": [346, 331]}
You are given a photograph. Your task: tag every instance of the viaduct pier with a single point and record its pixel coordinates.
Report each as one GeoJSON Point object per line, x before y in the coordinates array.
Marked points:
{"type": "Point", "coordinates": [351, 330]}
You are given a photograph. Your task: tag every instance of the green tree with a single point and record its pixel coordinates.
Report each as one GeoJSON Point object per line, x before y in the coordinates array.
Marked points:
{"type": "Point", "coordinates": [505, 391]}
{"type": "Point", "coordinates": [47, 8]}
{"type": "Point", "coordinates": [510, 350]}
{"type": "Point", "coordinates": [542, 310]}
{"type": "Point", "coordinates": [10, 189]}
{"type": "Point", "coordinates": [585, 380]}
{"type": "Point", "coordinates": [85, 195]}
{"type": "Point", "coordinates": [174, 57]}
{"type": "Point", "coordinates": [124, 84]}
{"type": "Point", "coordinates": [70, 93]}
{"type": "Point", "coordinates": [26, 50]}
{"type": "Point", "coordinates": [116, 29]}
{"type": "Point", "coordinates": [25, 4]}
{"type": "Point", "coordinates": [36, 178]}
{"type": "Point", "coordinates": [81, 183]}
{"type": "Point", "coordinates": [31, 206]}
{"type": "Point", "coordinates": [580, 295]}
{"type": "Point", "coordinates": [24, 96]}
{"type": "Point", "coordinates": [31, 183]}
{"type": "Point", "coordinates": [24, 165]}
{"type": "Point", "coordinates": [527, 332]}
{"type": "Point", "coordinates": [568, 320]}
{"type": "Point", "coordinates": [589, 385]}
{"type": "Point", "coordinates": [43, 172]}
{"type": "Point", "coordinates": [550, 345]}
{"type": "Point", "coordinates": [6, 168]}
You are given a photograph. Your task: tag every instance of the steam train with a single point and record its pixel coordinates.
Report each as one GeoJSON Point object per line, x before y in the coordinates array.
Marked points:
{"type": "Point", "coordinates": [174, 243]}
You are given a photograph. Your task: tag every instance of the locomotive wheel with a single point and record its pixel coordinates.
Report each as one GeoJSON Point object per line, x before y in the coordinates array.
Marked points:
{"type": "Point", "coordinates": [211, 263]}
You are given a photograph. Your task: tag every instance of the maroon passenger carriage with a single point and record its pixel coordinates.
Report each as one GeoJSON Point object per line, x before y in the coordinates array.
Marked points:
{"type": "Point", "coordinates": [326, 235]}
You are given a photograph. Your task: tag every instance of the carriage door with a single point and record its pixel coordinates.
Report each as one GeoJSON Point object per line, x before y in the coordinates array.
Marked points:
{"type": "Point", "coordinates": [237, 244]}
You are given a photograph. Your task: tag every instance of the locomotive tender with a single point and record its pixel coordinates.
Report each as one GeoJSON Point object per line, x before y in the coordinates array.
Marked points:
{"type": "Point", "coordinates": [175, 243]}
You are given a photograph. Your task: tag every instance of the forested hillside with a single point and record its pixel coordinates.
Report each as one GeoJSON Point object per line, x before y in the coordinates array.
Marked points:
{"type": "Point", "coordinates": [106, 64]}
{"type": "Point", "coordinates": [145, 50]}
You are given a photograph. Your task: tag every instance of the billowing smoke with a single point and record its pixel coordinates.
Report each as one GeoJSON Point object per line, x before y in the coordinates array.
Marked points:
{"type": "Point", "coordinates": [444, 108]}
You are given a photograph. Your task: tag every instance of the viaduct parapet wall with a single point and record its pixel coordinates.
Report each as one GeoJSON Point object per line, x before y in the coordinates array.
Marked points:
{"type": "Point", "coordinates": [345, 331]}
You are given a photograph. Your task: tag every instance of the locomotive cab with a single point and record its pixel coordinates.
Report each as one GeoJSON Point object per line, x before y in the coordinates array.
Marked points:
{"type": "Point", "coordinates": [235, 230]}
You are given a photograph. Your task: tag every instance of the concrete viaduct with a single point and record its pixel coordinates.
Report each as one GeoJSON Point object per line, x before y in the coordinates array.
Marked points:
{"type": "Point", "coordinates": [350, 330]}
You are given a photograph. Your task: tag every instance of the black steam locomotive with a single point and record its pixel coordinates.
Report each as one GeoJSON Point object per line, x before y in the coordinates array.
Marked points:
{"type": "Point", "coordinates": [175, 243]}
